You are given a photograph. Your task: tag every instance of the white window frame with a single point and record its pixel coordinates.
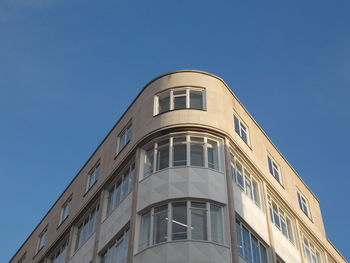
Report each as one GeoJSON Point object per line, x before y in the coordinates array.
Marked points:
{"type": "Point", "coordinates": [242, 128]}
{"type": "Point", "coordinates": [124, 137]}
{"type": "Point", "coordinates": [123, 239]}
{"type": "Point", "coordinates": [129, 172]}
{"type": "Point", "coordinates": [247, 175]}
{"type": "Point", "coordinates": [282, 216]}
{"type": "Point", "coordinates": [93, 176]}
{"type": "Point", "coordinates": [169, 235]}
{"type": "Point", "coordinates": [66, 207]}
{"type": "Point", "coordinates": [172, 96]}
{"type": "Point", "coordinates": [41, 240]}
{"type": "Point", "coordinates": [274, 169]}
{"type": "Point", "coordinates": [260, 243]}
{"type": "Point", "coordinates": [93, 213]}
{"type": "Point", "coordinates": [310, 247]}
{"type": "Point", "coordinates": [304, 204]}
{"type": "Point", "coordinates": [188, 141]}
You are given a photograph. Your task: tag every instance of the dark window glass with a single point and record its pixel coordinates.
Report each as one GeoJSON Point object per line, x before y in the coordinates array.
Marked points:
{"type": "Point", "coordinates": [179, 221]}
{"type": "Point", "coordinates": [196, 99]}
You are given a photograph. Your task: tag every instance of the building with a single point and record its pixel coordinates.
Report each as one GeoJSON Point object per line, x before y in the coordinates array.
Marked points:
{"type": "Point", "coordinates": [185, 175]}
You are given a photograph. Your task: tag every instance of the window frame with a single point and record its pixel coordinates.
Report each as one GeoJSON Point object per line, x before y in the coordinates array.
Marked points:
{"type": "Point", "coordinates": [239, 129]}
{"type": "Point", "coordinates": [67, 204]}
{"type": "Point", "coordinates": [281, 213]}
{"type": "Point", "coordinates": [271, 163]}
{"type": "Point", "coordinates": [150, 239]}
{"type": "Point", "coordinates": [187, 95]}
{"type": "Point", "coordinates": [62, 247]}
{"type": "Point", "coordinates": [304, 203]}
{"type": "Point", "coordinates": [241, 244]}
{"type": "Point", "coordinates": [41, 240]}
{"type": "Point", "coordinates": [187, 142]}
{"type": "Point", "coordinates": [127, 171]}
{"type": "Point", "coordinates": [93, 213]}
{"type": "Point", "coordinates": [94, 171]}
{"type": "Point", "coordinates": [255, 196]}
{"type": "Point", "coordinates": [314, 251]}
{"type": "Point", "coordinates": [127, 132]}
{"type": "Point", "coordinates": [122, 239]}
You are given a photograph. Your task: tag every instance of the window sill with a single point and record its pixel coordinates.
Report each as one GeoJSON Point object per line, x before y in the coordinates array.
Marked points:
{"type": "Point", "coordinates": [116, 156]}
{"type": "Point", "coordinates": [75, 251]}
{"type": "Point", "coordinates": [121, 201]}
{"type": "Point", "coordinates": [185, 240]}
{"type": "Point", "coordinates": [158, 114]}
{"type": "Point", "coordinates": [88, 190]}
{"type": "Point", "coordinates": [176, 167]}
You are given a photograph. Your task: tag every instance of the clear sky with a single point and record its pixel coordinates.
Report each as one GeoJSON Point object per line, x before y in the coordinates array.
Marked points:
{"type": "Point", "coordinates": [69, 69]}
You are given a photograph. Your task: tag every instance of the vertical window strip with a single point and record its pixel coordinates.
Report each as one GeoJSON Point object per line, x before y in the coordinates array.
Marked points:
{"type": "Point", "coordinates": [249, 246]}
{"type": "Point", "coordinates": [86, 228]}
{"type": "Point", "coordinates": [245, 181]}
{"type": "Point", "coordinates": [312, 255]}
{"type": "Point", "coordinates": [121, 188]}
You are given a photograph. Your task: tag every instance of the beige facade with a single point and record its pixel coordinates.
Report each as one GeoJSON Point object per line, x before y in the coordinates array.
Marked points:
{"type": "Point", "coordinates": [243, 202]}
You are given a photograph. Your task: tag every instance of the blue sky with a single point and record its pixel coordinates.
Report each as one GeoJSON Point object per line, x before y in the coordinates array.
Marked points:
{"type": "Point", "coordinates": [68, 70]}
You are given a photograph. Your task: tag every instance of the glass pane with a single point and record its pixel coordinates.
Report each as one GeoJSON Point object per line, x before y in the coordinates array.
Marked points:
{"type": "Point", "coordinates": [276, 217]}
{"type": "Point", "coordinates": [239, 239]}
{"type": "Point", "coordinates": [180, 102]}
{"type": "Point", "coordinates": [270, 165]}
{"type": "Point", "coordinates": [290, 230]}
{"type": "Point", "coordinates": [160, 233]}
{"type": "Point", "coordinates": [246, 244]}
{"type": "Point", "coordinates": [199, 221]}
{"type": "Point", "coordinates": [164, 102]}
{"type": "Point", "coordinates": [216, 224]}
{"type": "Point", "coordinates": [284, 227]}
{"type": "Point", "coordinates": [263, 254]}
{"type": "Point", "coordinates": [239, 175]}
{"type": "Point", "coordinates": [163, 156]}
{"type": "Point", "coordinates": [256, 193]}
{"type": "Point", "coordinates": [144, 231]}
{"type": "Point", "coordinates": [179, 222]}
{"type": "Point", "coordinates": [244, 136]}
{"type": "Point", "coordinates": [125, 186]}
{"type": "Point", "coordinates": [179, 152]}
{"type": "Point", "coordinates": [248, 187]}
{"type": "Point", "coordinates": [148, 162]}
{"type": "Point", "coordinates": [213, 161]}
{"type": "Point", "coordinates": [196, 99]}
{"type": "Point", "coordinates": [255, 250]}
{"type": "Point", "coordinates": [197, 154]}
{"type": "Point", "coordinates": [236, 124]}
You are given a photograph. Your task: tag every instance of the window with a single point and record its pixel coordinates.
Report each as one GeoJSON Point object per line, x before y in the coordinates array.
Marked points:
{"type": "Point", "coordinates": [60, 254]}
{"type": "Point", "coordinates": [121, 188]}
{"type": "Point", "coordinates": [249, 247]}
{"type": "Point", "coordinates": [86, 228]}
{"type": "Point", "coordinates": [274, 169]}
{"type": "Point", "coordinates": [281, 220]}
{"type": "Point", "coordinates": [303, 204]}
{"type": "Point", "coordinates": [21, 260]}
{"type": "Point", "coordinates": [245, 181]}
{"type": "Point", "coordinates": [311, 254]}
{"type": "Point", "coordinates": [93, 176]}
{"type": "Point", "coordinates": [181, 150]}
{"type": "Point", "coordinates": [124, 137]}
{"type": "Point", "coordinates": [41, 240]}
{"type": "Point", "coordinates": [179, 98]}
{"type": "Point", "coordinates": [181, 220]}
{"type": "Point", "coordinates": [279, 260]}
{"type": "Point", "coordinates": [65, 210]}
{"type": "Point", "coordinates": [241, 129]}
{"type": "Point", "coordinates": [118, 252]}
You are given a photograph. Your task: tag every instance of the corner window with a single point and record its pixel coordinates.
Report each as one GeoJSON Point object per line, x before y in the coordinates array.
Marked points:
{"type": "Point", "coordinates": [180, 150]}
{"type": "Point", "coordinates": [60, 255]}
{"type": "Point", "coordinates": [303, 204]}
{"type": "Point", "coordinates": [274, 169]}
{"type": "Point", "coordinates": [93, 176]}
{"type": "Point", "coordinates": [86, 228]}
{"type": "Point", "coordinates": [241, 129]}
{"type": "Point", "coordinates": [41, 240]}
{"type": "Point", "coordinates": [121, 188]}
{"type": "Point", "coordinates": [179, 98]}
{"type": "Point", "coordinates": [124, 137]}
{"type": "Point", "coordinates": [249, 246]}
{"type": "Point", "coordinates": [118, 252]}
{"type": "Point", "coordinates": [65, 210]}
{"type": "Point", "coordinates": [280, 219]}
{"type": "Point", "coordinates": [181, 220]}
{"type": "Point", "coordinates": [243, 178]}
